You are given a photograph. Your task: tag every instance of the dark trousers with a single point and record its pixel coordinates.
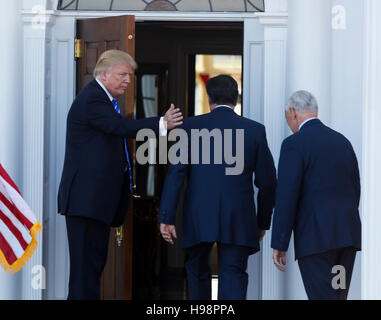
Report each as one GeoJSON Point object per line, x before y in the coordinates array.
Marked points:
{"type": "Point", "coordinates": [88, 245]}
{"type": "Point", "coordinates": [320, 278]}
{"type": "Point", "coordinates": [232, 276]}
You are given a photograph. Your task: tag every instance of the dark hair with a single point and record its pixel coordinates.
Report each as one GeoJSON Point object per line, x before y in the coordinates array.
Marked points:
{"type": "Point", "coordinates": [222, 89]}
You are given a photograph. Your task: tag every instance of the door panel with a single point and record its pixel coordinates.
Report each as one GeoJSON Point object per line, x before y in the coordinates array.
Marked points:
{"type": "Point", "coordinates": [99, 35]}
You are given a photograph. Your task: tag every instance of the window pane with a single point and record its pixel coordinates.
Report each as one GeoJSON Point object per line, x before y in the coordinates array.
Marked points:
{"type": "Point", "coordinates": [94, 4]}
{"type": "Point", "coordinates": [164, 5]}
{"type": "Point", "coordinates": [190, 5]}
{"type": "Point", "coordinates": [132, 4]}
{"type": "Point", "coordinates": [228, 5]}
{"type": "Point", "coordinates": [67, 4]}
{"type": "Point", "coordinates": [255, 5]}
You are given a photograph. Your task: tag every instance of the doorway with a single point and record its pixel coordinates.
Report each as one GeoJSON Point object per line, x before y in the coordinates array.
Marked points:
{"type": "Point", "coordinates": [174, 61]}
{"type": "Point", "coordinates": [140, 265]}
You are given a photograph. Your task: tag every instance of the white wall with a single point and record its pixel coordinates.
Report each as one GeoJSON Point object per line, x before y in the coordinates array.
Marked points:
{"type": "Point", "coordinates": [371, 169]}
{"type": "Point", "coordinates": [276, 6]}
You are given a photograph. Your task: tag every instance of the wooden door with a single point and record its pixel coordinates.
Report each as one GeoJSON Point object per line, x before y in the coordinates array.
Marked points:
{"type": "Point", "coordinates": [97, 36]}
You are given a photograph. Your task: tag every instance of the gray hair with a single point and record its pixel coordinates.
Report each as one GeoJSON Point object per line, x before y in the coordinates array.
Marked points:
{"type": "Point", "coordinates": [303, 102]}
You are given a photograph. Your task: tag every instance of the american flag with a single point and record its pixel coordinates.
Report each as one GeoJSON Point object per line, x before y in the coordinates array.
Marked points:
{"type": "Point", "coordinates": [18, 226]}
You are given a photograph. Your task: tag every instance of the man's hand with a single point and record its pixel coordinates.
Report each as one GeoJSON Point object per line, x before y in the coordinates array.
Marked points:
{"type": "Point", "coordinates": [168, 231]}
{"type": "Point", "coordinates": [261, 234]}
{"type": "Point", "coordinates": [279, 257]}
{"type": "Point", "coordinates": [172, 117]}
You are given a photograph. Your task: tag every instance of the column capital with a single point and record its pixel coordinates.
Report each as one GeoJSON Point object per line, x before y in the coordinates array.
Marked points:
{"type": "Point", "coordinates": [273, 19]}
{"type": "Point", "coordinates": [38, 18]}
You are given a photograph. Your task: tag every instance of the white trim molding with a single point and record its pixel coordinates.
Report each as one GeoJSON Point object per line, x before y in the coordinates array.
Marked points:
{"type": "Point", "coordinates": [141, 16]}
{"type": "Point", "coordinates": [265, 48]}
{"type": "Point", "coordinates": [371, 169]}
{"type": "Point", "coordinates": [56, 253]}
{"type": "Point", "coordinates": [253, 61]}
{"type": "Point", "coordinates": [275, 50]}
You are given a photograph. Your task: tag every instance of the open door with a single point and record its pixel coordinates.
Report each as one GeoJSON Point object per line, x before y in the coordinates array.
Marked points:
{"type": "Point", "coordinates": [94, 36]}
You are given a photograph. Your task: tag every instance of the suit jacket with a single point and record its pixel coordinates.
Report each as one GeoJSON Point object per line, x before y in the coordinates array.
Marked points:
{"type": "Point", "coordinates": [95, 183]}
{"type": "Point", "coordinates": [318, 192]}
{"type": "Point", "coordinates": [220, 207]}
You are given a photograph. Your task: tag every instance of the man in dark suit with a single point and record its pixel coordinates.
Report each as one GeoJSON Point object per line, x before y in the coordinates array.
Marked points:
{"type": "Point", "coordinates": [97, 180]}
{"type": "Point", "coordinates": [317, 196]}
{"type": "Point", "coordinates": [219, 200]}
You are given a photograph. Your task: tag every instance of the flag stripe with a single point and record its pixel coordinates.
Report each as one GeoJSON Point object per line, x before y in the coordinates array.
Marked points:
{"type": "Point", "coordinates": [22, 229]}
{"type": "Point", "coordinates": [14, 230]}
{"type": "Point", "coordinates": [7, 178]}
{"type": "Point", "coordinates": [19, 203]}
{"type": "Point", "coordinates": [15, 211]}
{"type": "Point", "coordinates": [11, 239]}
{"type": "Point", "coordinates": [18, 226]}
{"type": "Point", "coordinates": [7, 250]}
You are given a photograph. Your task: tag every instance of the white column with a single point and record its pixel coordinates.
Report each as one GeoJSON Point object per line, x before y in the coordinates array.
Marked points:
{"type": "Point", "coordinates": [346, 91]}
{"type": "Point", "coordinates": [11, 115]}
{"type": "Point", "coordinates": [308, 68]}
{"type": "Point", "coordinates": [371, 169]}
{"type": "Point", "coordinates": [36, 101]}
{"type": "Point", "coordinates": [309, 51]}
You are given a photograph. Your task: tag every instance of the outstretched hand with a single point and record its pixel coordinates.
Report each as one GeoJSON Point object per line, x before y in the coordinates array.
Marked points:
{"type": "Point", "coordinates": [172, 117]}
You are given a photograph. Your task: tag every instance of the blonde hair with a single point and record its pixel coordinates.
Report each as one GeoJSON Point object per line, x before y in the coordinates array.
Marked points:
{"type": "Point", "coordinates": [112, 58]}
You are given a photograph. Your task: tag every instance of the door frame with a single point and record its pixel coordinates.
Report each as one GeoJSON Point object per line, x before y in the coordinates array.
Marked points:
{"type": "Point", "coordinates": [265, 37]}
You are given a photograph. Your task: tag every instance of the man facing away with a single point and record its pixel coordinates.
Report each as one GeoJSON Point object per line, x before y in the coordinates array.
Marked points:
{"type": "Point", "coordinates": [96, 180]}
{"type": "Point", "coordinates": [219, 204]}
{"type": "Point", "coordinates": [317, 197]}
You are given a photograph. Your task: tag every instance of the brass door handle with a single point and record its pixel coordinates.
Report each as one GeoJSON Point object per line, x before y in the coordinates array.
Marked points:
{"type": "Point", "coordinates": [119, 236]}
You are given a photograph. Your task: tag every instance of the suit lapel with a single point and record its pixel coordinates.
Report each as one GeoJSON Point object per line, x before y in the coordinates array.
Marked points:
{"type": "Point", "coordinates": [96, 86]}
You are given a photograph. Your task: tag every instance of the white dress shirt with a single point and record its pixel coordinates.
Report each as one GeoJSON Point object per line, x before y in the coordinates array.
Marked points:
{"type": "Point", "coordinates": [162, 129]}
{"type": "Point", "coordinates": [223, 105]}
